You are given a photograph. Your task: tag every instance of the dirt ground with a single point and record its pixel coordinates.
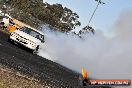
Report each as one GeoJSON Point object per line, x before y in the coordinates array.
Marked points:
{"type": "Point", "coordinates": [8, 79]}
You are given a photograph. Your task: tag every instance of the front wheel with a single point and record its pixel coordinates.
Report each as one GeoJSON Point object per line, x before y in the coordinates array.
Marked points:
{"type": "Point", "coordinates": [10, 40]}
{"type": "Point", "coordinates": [35, 51]}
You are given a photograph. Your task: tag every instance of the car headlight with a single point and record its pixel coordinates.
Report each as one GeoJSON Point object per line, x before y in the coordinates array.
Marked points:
{"type": "Point", "coordinates": [32, 44]}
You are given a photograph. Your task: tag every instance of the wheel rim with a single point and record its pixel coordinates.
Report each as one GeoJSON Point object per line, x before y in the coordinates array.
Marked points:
{"type": "Point", "coordinates": [35, 51]}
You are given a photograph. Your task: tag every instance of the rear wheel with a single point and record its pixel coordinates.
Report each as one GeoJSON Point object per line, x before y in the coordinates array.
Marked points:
{"type": "Point", "coordinates": [35, 51]}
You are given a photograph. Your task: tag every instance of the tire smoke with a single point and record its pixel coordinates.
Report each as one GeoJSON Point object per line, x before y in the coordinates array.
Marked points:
{"type": "Point", "coordinates": [102, 57]}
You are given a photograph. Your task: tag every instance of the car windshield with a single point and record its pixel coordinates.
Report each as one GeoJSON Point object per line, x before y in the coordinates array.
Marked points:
{"type": "Point", "coordinates": [33, 33]}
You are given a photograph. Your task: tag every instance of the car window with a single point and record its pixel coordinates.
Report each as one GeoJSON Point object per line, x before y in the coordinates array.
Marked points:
{"type": "Point", "coordinates": [26, 30]}
{"type": "Point", "coordinates": [33, 33]}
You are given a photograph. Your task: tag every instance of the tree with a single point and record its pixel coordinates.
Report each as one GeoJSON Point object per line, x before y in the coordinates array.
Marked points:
{"type": "Point", "coordinates": [87, 29]}
{"type": "Point", "coordinates": [62, 18]}
{"type": "Point", "coordinates": [70, 18]}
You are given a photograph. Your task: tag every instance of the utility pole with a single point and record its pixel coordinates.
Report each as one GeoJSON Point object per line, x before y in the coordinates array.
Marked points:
{"type": "Point", "coordinates": [88, 28]}
{"type": "Point", "coordinates": [99, 2]}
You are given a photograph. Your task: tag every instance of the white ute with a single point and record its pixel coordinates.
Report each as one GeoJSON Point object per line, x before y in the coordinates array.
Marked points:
{"type": "Point", "coordinates": [28, 37]}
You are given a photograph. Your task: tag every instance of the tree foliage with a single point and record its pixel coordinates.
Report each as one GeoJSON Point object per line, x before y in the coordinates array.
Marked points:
{"type": "Point", "coordinates": [87, 29]}
{"type": "Point", "coordinates": [62, 18]}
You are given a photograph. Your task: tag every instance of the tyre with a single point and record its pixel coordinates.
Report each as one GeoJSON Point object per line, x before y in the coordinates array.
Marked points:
{"type": "Point", "coordinates": [35, 51]}
{"type": "Point", "coordinates": [9, 40]}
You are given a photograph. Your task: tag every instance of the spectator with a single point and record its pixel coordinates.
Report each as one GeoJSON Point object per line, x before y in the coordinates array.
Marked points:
{"type": "Point", "coordinates": [6, 21]}
{"type": "Point", "coordinates": [2, 25]}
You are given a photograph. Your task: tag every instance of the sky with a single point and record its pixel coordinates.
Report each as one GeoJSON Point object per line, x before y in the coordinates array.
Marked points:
{"type": "Point", "coordinates": [105, 15]}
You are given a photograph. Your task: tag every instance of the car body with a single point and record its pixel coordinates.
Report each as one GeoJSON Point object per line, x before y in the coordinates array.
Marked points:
{"type": "Point", "coordinates": [28, 37]}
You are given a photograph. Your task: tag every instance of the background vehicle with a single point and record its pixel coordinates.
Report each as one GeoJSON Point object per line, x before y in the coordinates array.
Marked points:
{"type": "Point", "coordinates": [28, 37]}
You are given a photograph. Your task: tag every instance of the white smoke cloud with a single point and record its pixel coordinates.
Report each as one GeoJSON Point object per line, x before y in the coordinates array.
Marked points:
{"type": "Point", "coordinates": [102, 57]}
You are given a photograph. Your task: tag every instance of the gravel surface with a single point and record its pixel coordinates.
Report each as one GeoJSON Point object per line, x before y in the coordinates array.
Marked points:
{"type": "Point", "coordinates": [45, 71]}
{"type": "Point", "coordinates": [35, 66]}
{"type": "Point", "coordinates": [9, 79]}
